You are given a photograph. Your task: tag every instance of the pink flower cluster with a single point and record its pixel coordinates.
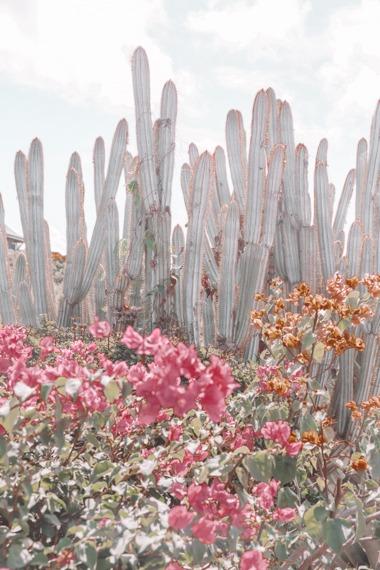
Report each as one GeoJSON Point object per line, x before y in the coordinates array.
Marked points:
{"type": "Point", "coordinates": [210, 511]}
{"type": "Point", "coordinates": [266, 494]}
{"type": "Point", "coordinates": [280, 432]}
{"type": "Point", "coordinates": [176, 378]}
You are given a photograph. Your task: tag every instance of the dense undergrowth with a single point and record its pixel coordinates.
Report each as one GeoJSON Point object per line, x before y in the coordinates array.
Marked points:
{"type": "Point", "coordinates": [140, 452]}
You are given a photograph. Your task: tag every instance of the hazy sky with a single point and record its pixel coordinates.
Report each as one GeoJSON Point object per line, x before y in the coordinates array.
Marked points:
{"type": "Point", "coordinates": [65, 77]}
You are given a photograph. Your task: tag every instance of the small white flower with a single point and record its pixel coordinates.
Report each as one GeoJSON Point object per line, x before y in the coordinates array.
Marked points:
{"type": "Point", "coordinates": [5, 408]}
{"type": "Point", "coordinates": [72, 386]}
{"type": "Point", "coordinates": [23, 391]}
{"type": "Point", "coordinates": [147, 467]}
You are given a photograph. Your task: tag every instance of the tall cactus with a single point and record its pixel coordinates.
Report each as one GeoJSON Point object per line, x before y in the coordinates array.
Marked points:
{"type": "Point", "coordinates": [7, 311]}
{"type": "Point", "coordinates": [85, 273]}
{"type": "Point", "coordinates": [200, 186]}
{"type": "Point", "coordinates": [156, 153]}
{"type": "Point", "coordinates": [227, 281]}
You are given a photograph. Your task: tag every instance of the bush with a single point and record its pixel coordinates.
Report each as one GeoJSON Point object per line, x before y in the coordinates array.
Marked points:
{"type": "Point", "coordinates": [169, 460]}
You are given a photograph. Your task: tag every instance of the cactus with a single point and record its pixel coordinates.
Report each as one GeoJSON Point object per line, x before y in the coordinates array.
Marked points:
{"type": "Point", "coordinates": [343, 205]}
{"type": "Point", "coordinates": [237, 156]}
{"type": "Point", "coordinates": [323, 220]}
{"type": "Point", "coordinates": [7, 311]}
{"type": "Point", "coordinates": [200, 186]}
{"type": "Point", "coordinates": [178, 250]}
{"type": "Point", "coordinates": [83, 275]}
{"type": "Point", "coordinates": [227, 275]}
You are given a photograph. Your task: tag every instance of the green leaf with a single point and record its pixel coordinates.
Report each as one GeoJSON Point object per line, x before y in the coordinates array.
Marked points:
{"type": "Point", "coordinates": [260, 465]}
{"type": "Point", "coordinates": [87, 554]}
{"type": "Point", "coordinates": [45, 391]}
{"type": "Point", "coordinates": [281, 551]}
{"type": "Point", "coordinates": [286, 498]}
{"type": "Point", "coordinates": [9, 421]}
{"type": "Point", "coordinates": [318, 352]}
{"type": "Point", "coordinates": [18, 556]}
{"type": "Point", "coordinates": [198, 550]}
{"type": "Point", "coordinates": [314, 519]}
{"type": "Point", "coordinates": [333, 534]}
{"type": "Point", "coordinates": [40, 560]}
{"type": "Point", "coordinates": [374, 461]}
{"type": "Point", "coordinates": [285, 468]}
{"type": "Point", "coordinates": [308, 423]}
{"type": "Point", "coordinates": [308, 340]}
{"type": "Point", "coordinates": [112, 391]}
{"type": "Point", "coordinates": [103, 467]}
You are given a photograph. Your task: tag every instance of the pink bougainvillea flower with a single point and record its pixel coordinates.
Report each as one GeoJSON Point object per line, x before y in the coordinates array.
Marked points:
{"type": "Point", "coordinates": [285, 515]}
{"type": "Point", "coordinates": [148, 345]}
{"type": "Point", "coordinates": [47, 346]}
{"type": "Point", "coordinates": [204, 530]}
{"type": "Point", "coordinates": [178, 490]}
{"type": "Point", "coordinates": [294, 448]}
{"type": "Point", "coordinates": [276, 431]}
{"type": "Point", "coordinates": [198, 494]}
{"type": "Point", "coordinates": [174, 566]}
{"type": "Point", "coordinates": [180, 517]}
{"type": "Point", "coordinates": [266, 493]}
{"type": "Point", "coordinates": [100, 329]}
{"type": "Point", "coordinates": [253, 560]}
{"type": "Point", "coordinates": [175, 431]}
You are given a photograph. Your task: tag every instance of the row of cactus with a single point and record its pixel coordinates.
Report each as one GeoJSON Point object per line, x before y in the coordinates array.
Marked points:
{"type": "Point", "coordinates": [244, 227]}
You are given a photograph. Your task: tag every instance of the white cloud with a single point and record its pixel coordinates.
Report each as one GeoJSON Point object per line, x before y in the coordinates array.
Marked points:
{"type": "Point", "coordinates": [81, 49]}
{"type": "Point", "coordinates": [242, 23]}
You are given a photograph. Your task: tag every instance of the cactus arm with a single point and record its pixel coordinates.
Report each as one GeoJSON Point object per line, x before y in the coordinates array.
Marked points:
{"type": "Point", "coordinates": [254, 259]}
{"type": "Point", "coordinates": [373, 173]}
{"type": "Point", "coordinates": [99, 158]}
{"type": "Point", "coordinates": [302, 196]}
{"type": "Point", "coordinates": [185, 185]}
{"type": "Point", "coordinates": [7, 310]}
{"type": "Point", "coordinates": [291, 250]}
{"type": "Point", "coordinates": [193, 154]}
{"type": "Point", "coordinates": [49, 274]}
{"type": "Point", "coordinates": [200, 184]}
{"type": "Point", "coordinates": [331, 199]}
{"type": "Point", "coordinates": [222, 188]}
{"type": "Point", "coordinates": [166, 141]}
{"type": "Point", "coordinates": [353, 246]}
{"type": "Point", "coordinates": [227, 280]}
{"type": "Point", "coordinates": [100, 293]}
{"type": "Point", "coordinates": [178, 249]}
{"type": "Point", "coordinates": [308, 256]}
{"type": "Point", "coordinates": [115, 167]}
{"type": "Point", "coordinates": [36, 220]}
{"type": "Point", "coordinates": [210, 263]}
{"type": "Point", "coordinates": [272, 129]}
{"type": "Point", "coordinates": [256, 171]}
{"type": "Point", "coordinates": [144, 129]}
{"type": "Point", "coordinates": [323, 219]}
{"type": "Point", "coordinates": [237, 155]}
{"type": "Point", "coordinates": [361, 177]}
{"type": "Point", "coordinates": [208, 318]}
{"type": "Point", "coordinates": [344, 202]}
{"type": "Point", "coordinates": [112, 241]}
{"type": "Point", "coordinates": [287, 138]}
{"type": "Point", "coordinates": [366, 256]}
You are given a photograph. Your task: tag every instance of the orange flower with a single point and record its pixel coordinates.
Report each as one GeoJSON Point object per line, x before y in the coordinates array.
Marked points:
{"type": "Point", "coordinates": [352, 282]}
{"type": "Point", "coordinates": [360, 464]}
{"type": "Point", "coordinates": [312, 437]}
{"type": "Point", "coordinates": [291, 341]}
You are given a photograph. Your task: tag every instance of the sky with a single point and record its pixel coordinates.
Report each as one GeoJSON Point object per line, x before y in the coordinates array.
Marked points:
{"type": "Point", "coordinates": [65, 77]}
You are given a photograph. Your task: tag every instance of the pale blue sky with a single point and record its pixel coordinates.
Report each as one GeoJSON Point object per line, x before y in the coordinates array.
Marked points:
{"type": "Point", "coordinates": [65, 77]}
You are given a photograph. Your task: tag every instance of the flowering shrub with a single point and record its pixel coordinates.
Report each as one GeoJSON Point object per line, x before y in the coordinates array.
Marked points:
{"type": "Point", "coordinates": [172, 461]}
